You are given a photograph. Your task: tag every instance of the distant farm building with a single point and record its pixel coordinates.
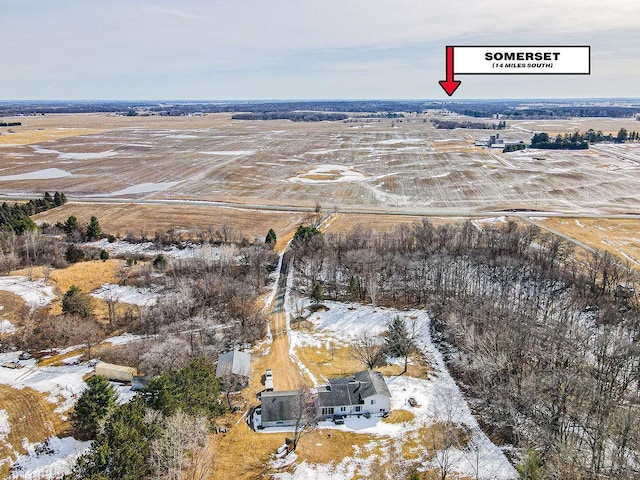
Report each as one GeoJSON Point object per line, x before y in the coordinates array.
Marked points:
{"type": "Point", "coordinates": [118, 373]}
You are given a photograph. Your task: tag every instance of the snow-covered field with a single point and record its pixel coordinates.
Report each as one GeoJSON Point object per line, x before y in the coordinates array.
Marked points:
{"type": "Point", "coordinates": [127, 294]}
{"type": "Point", "coordinates": [439, 398]}
{"type": "Point", "coordinates": [35, 293]}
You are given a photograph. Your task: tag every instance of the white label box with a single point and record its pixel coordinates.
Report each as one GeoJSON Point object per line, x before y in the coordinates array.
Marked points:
{"type": "Point", "coordinates": [521, 60]}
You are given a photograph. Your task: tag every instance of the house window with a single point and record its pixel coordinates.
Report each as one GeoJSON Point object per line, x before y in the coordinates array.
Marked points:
{"type": "Point", "coordinates": [357, 408]}
{"type": "Point", "coordinates": [327, 410]}
{"type": "Point", "coordinates": [342, 409]}
{"type": "Point", "coordinates": [373, 401]}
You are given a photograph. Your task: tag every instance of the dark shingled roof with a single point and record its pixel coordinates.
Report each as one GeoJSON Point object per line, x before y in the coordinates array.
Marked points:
{"type": "Point", "coordinates": [352, 391]}
{"type": "Point", "coordinates": [279, 406]}
{"type": "Point", "coordinates": [372, 383]}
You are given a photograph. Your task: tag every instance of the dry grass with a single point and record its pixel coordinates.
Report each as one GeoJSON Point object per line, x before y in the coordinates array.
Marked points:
{"type": "Point", "coordinates": [29, 137]}
{"type": "Point", "coordinates": [12, 307]}
{"type": "Point", "coordinates": [242, 453]}
{"type": "Point", "coordinates": [86, 275]}
{"type": "Point", "coordinates": [334, 359]}
{"type": "Point", "coordinates": [31, 417]}
{"type": "Point", "coordinates": [399, 416]}
{"type": "Point", "coordinates": [345, 222]}
{"type": "Point", "coordinates": [136, 218]}
{"type": "Point", "coordinates": [619, 237]}
{"type": "Point", "coordinates": [326, 446]}
{"type": "Point", "coordinates": [335, 362]}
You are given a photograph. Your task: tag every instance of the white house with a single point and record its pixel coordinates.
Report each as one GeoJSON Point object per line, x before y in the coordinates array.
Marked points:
{"type": "Point", "coordinates": [365, 392]}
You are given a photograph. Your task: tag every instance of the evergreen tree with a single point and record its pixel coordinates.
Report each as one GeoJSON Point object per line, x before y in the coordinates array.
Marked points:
{"type": "Point", "coordinates": [530, 467]}
{"type": "Point", "coordinates": [93, 407]}
{"type": "Point", "coordinates": [317, 295]}
{"type": "Point", "coordinates": [71, 225]}
{"type": "Point", "coordinates": [270, 238]}
{"type": "Point", "coordinates": [76, 302]}
{"type": "Point", "coordinates": [160, 262]}
{"type": "Point", "coordinates": [57, 199]}
{"type": "Point", "coordinates": [93, 229]}
{"type": "Point", "coordinates": [193, 389]}
{"type": "Point", "coordinates": [104, 255]}
{"type": "Point", "coordinates": [73, 254]}
{"type": "Point", "coordinates": [121, 451]}
{"type": "Point", "coordinates": [622, 136]}
{"type": "Point", "coordinates": [398, 342]}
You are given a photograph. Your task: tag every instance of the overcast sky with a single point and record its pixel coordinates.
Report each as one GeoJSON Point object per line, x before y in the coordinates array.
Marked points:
{"type": "Point", "coordinates": [302, 49]}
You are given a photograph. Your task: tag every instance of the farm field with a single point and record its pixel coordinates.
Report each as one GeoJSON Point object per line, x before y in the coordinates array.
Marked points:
{"type": "Point", "coordinates": [620, 237]}
{"type": "Point", "coordinates": [186, 219]}
{"type": "Point", "coordinates": [377, 164]}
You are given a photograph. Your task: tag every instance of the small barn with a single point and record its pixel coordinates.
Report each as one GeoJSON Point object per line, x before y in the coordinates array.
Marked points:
{"type": "Point", "coordinates": [234, 362]}
{"type": "Point", "coordinates": [117, 373]}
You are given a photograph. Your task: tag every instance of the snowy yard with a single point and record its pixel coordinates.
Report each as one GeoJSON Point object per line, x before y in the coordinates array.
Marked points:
{"type": "Point", "coordinates": [438, 397]}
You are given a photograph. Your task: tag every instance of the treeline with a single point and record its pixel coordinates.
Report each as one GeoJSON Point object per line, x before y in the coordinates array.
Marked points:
{"type": "Point", "coordinates": [561, 142]}
{"type": "Point", "coordinates": [544, 344]}
{"type": "Point", "coordinates": [451, 125]}
{"type": "Point", "coordinates": [514, 147]}
{"type": "Point", "coordinates": [520, 110]}
{"type": "Point", "coordinates": [577, 141]}
{"type": "Point", "coordinates": [16, 217]}
{"type": "Point", "coordinates": [293, 116]}
{"type": "Point", "coordinates": [623, 135]}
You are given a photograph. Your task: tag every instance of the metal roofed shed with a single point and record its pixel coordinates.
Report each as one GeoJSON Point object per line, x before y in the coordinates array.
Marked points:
{"type": "Point", "coordinates": [234, 362]}
{"type": "Point", "coordinates": [118, 373]}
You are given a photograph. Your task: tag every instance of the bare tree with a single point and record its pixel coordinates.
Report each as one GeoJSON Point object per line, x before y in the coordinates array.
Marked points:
{"type": "Point", "coordinates": [368, 349]}
{"type": "Point", "coordinates": [111, 298]}
{"type": "Point", "coordinates": [182, 435]}
{"type": "Point", "coordinates": [304, 413]}
{"type": "Point", "coordinates": [446, 438]}
{"type": "Point", "coordinates": [230, 383]}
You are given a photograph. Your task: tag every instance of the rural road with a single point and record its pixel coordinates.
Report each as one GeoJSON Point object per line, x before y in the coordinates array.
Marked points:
{"type": "Point", "coordinates": [286, 374]}
{"type": "Point", "coordinates": [417, 211]}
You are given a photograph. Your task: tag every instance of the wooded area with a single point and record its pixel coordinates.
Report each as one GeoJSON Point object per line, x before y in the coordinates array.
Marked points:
{"type": "Point", "coordinates": [543, 343]}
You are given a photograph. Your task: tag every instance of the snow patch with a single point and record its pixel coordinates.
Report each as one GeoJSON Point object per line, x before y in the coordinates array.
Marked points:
{"type": "Point", "coordinates": [86, 155]}
{"type": "Point", "coordinates": [127, 294]}
{"type": "Point", "coordinates": [36, 293]}
{"type": "Point", "coordinates": [142, 188]}
{"type": "Point", "coordinates": [43, 174]}
{"type": "Point", "coordinates": [50, 462]}
{"type": "Point", "coordinates": [5, 427]}
{"type": "Point", "coordinates": [329, 174]}
{"type": "Point", "coordinates": [229, 153]}
{"type": "Point", "coordinates": [6, 327]}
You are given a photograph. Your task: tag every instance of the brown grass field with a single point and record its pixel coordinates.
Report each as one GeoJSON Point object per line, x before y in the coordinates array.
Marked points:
{"type": "Point", "coordinates": [620, 237]}
{"type": "Point", "coordinates": [136, 218]}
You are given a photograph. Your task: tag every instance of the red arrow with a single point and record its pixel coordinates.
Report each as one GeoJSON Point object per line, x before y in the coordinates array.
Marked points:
{"type": "Point", "coordinates": [449, 85]}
